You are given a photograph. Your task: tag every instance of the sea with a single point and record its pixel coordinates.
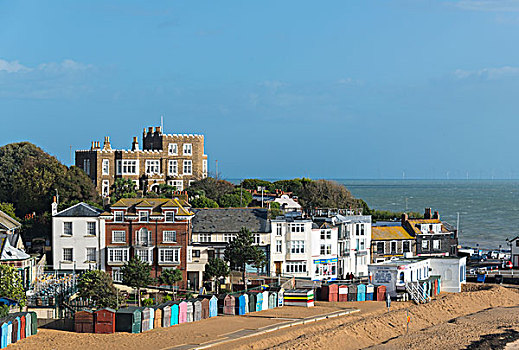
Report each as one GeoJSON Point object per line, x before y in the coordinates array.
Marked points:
{"type": "Point", "coordinates": [488, 209]}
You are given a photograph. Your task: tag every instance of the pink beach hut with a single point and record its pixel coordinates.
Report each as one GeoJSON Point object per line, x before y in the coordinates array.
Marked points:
{"type": "Point", "coordinates": [182, 312]}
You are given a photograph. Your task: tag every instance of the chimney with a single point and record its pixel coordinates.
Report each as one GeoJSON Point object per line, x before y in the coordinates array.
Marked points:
{"type": "Point", "coordinates": [159, 130]}
{"type": "Point", "coordinates": [436, 215]}
{"type": "Point", "coordinates": [427, 214]}
{"type": "Point", "coordinates": [135, 144]}
{"type": "Point", "coordinates": [150, 130]}
{"type": "Point", "coordinates": [54, 206]}
{"type": "Point", "coordinates": [93, 146]}
{"type": "Point", "coordinates": [107, 145]}
{"type": "Point", "coordinates": [404, 218]}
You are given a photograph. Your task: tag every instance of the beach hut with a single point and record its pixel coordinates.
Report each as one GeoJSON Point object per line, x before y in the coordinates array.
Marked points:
{"type": "Point", "coordinates": [299, 297]}
{"type": "Point", "coordinates": [145, 319]}
{"type": "Point", "coordinates": [381, 293]}
{"type": "Point", "coordinates": [157, 320]}
{"type": "Point", "coordinates": [259, 301]}
{"type": "Point", "coordinates": [14, 331]}
{"type": "Point", "coordinates": [175, 314]}
{"type": "Point", "coordinates": [273, 299]}
{"type": "Point", "coordinates": [205, 307]}
{"type": "Point", "coordinates": [104, 321]}
{"type": "Point", "coordinates": [329, 292]}
{"type": "Point", "coordinates": [343, 293]}
{"type": "Point", "coordinates": [9, 331]}
{"type": "Point", "coordinates": [189, 311]}
{"type": "Point", "coordinates": [240, 303]}
{"type": "Point", "coordinates": [21, 324]}
{"type": "Point", "coordinates": [226, 304]}
{"type": "Point", "coordinates": [34, 323]}
{"type": "Point", "coordinates": [361, 292]}
{"type": "Point", "coordinates": [84, 321]}
{"type": "Point", "coordinates": [281, 301]}
{"type": "Point", "coordinates": [370, 291]}
{"type": "Point", "coordinates": [152, 318]}
{"type": "Point", "coordinates": [252, 302]}
{"type": "Point", "coordinates": [182, 312]}
{"type": "Point", "coordinates": [213, 306]}
{"type": "Point", "coordinates": [352, 292]}
{"type": "Point", "coordinates": [197, 310]}
{"type": "Point", "coordinates": [4, 332]}
{"type": "Point", "coordinates": [166, 314]}
{"type": "Point", "coordinates": [265, 305]}
{"type": "Point", "coordinates": [128, 319]}
{"type": "Point", "coordinates": [28, 322]}
{"type": "Point", "coordinates": [246, 296]}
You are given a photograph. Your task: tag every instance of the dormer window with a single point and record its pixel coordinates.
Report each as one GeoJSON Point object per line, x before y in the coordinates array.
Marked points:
{"type": "Point", "coordinates": [118, 216]}
{"type": "Point", "coordinates": [144, 216]}
{"type": "Point", "coordinates": [169, 216]}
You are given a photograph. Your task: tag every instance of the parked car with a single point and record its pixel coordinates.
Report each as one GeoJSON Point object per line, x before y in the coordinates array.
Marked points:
{"type": "Point", "coordinates": [508, 264]}
{"type": "Point", "coordinates": [478, 258]}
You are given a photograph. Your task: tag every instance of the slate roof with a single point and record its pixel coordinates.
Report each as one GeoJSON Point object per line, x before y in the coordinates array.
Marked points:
{"type": "Point", "coordinates": [80, 210]}
{"type": "Point", "coordinates": [230, 220]}
{"type": "Point", "coordinates": [7, 222]}
{"type": "Point", "coordinates": [156, 205]}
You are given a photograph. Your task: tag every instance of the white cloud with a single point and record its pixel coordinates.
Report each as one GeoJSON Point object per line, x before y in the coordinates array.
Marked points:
{"type": "Point", "coordinates": [12, 67]}
{"type": "Point", "coordinates": [491, 73]}
{"type": "Point", "coordinates": [488, 5]}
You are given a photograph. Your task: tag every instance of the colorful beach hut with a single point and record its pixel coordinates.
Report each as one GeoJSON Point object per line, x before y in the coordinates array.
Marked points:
{"type": "Point", "coordinates": [343, 293]}
{"type": "Point", "coordinates": [361, 292]}
{"type": "Point", "coordinates": [182, 312]}
{"type": "Point", "coordinates": [370, 290]}
{"type": "Point", "coordinates": [128, 320]}
{"type": "Point", "coordinates": [252, 301]}
{"type": "Point", "coordinates": [84, 321]}
{"type": "Point", "coordinates": [299, 297]}
{"type": "Point", "coordinates": [166, 314]}
{"type": "Point", "coordinates": [197, 310]}
{"type": "Point", "coordinates": [189, 311]}
{"type": "Point", "coordinates": [104, 321]}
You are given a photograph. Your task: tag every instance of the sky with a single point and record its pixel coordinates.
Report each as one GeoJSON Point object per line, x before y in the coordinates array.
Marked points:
{"type": "Point", "coordinates": [280, 89]}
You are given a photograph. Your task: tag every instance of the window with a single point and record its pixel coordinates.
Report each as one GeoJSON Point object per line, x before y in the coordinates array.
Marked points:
{"type": "Point", "coordinates": [118, 237]}
{"type": "Point", "coordinates": [279, 245]}
{"type": "Point", "coordinates": [295, 266]}
{"type": "Point", "coordinates": [67, 228]}
{"type": "Point", "coordinates": [144, 236]}
{"type": "Point", "coordinates": [67, 254]}
{"type": "Point", "coordinates": [279, 228]}
{"type": "Point", "coordinates": [362, 242]}
{"type": "Point", "coordinates": [172, 149]}
{"type": "Point", "coordinates": [296, 247]}
{"type": "Point", "coordinates": [169, 216]}
{"type": "Point", "coordinates": [362, 229]}
{"type": "Point", "coordinates": [188, 149]}
{"type": "Point", "coordinates": [144, 216]}
{"type": "Point", "coordinates": [172, 167]}
{"type": "Point", "coordinates": [517, 243]}
{"type": "Point", "coordinates": [205, 237]}
{"type": "Point", "coordinates": [169, 236]}
{"type": "Point", "coordinates": [118, 216]}
{"type": "Point", "coordinates": [393, 247]}
{"type": "Point", "coordinates": [91, 254]}
{"type": "Point", "coordinates": [297, 227]}
{"type": "Point", "coordinates": [227, 237]}
{"type": "Point", "coordinates": [380, 247]}
{"type": "Point", "coordinates": [178, 184]}
{"type": "Point", "coordinates": [407, 247]}
{"type": "Point", "coordinates": [204, 166]}
{"type": "Point", "coordinates": [152, 166]}
{"type": "Point", "coordinates": [323, 234]}
{"type": "Point", "coordinates": [127, 167]}
{"type": "Point", "coordinates": [257, 238]}
{"type": "Point", "coordinates": [425, 245]}
{"type": "Point", "coordinates": [117, 254]}
{"type": "Point", "coordinates": [105, 188]}
{"type": "Point", "coordinates": [169, 255]}
{"type": "Point", "coordinates": [323, 249]}
{"type": "Point", "coordinates": [86, 166]}
{"type": "Point", "coordinates": [144, 255]}
{"type": "Point", "coordinates": [117, 275]}
{"type": "Point", "coordinates": [196, 253]}
{"type": "Point", "coordinates": [436, 244]}
{"type": "Point", "coordinates": [188, 167]}
{"type": "Point", "coordinates": [106, 167]}
{"type": "Point", "coordinates": [91, 228]}
{"type": "Point", "coordinates": [401, 274]}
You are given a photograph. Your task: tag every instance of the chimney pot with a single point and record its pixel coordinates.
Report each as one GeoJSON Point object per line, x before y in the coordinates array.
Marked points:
{"type": "Point", "coordinates": [405, 217]}
{"type": "Point", "coordinates": [427, 214]}
{"type": "Point", "coordinates": [159, 129]}
{"type": "Point", "coordinates": [150, 130]}
{"type": "Point", "coordinates": [436, 215]}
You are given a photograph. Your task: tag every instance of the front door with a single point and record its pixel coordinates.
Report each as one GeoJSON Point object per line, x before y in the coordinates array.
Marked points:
{"type": "Point", "coordinates": [278, 268]}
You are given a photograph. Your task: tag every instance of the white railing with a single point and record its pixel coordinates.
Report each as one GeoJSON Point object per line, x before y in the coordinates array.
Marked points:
{"type": "Point", "coordinates": [416, 292]}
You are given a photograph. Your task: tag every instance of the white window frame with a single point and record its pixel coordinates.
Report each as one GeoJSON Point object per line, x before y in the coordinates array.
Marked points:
{"type": "Point", "coordinates": [172, 167]}
{"type": "Point", "coordinates": [105, 188]}
{"type": "Point", "coordinates": [295, 267]}
{"type": "Point", "coordinates": [152, 166]}
{"type": "Point", "coordinates": [144, 254]}
{"type": "Point", "coordinates": [279, 246]}
{"type": "Point", "coordinates": [296, 247]}
{"type": "Point", "coordinates": [175, 255]}
{"type": "Point", "coordinates": [66, 231]}
{"type": "Point", "coordinates": [106, 167]}
{"type": "Point", "coordinates": [144, 216]}
{"type": "Point", "coordinates": [116, 236]}
{"type": "Point", "coordinates": [256, 238]}
{"type": "Point", "coordinates": [437, 244]}
{"type": "Point", "coordinates": [86, 166]}
{"type": "Point", "coordinates": [187, 168]}
{"type": "Point", "coordinates": [178, 184]}
{"type": "Point", "coordinates": [65, 252]}
{"type": "Point", "coordinates": [204, 166]}
{"type": "Point", "coordinates": [279, 230]}
{"type": "Point", "coordinates": [169, 236]}
{"type": "Point", "coordinates": [143, 236]}
{"type": "Point", "coordinates": [118, 216]}
{"type": "Point", "coordinates": [204, 237]}
{"type": "Point", "coordinates": [171, 215]}
{"type": "Point", "coordinates": [187, 149]}
{"type": "Point", "coordinates": [92, 252]}
{"type": "Point", "coordinates": [89, 228]}
{"type": "Point", "coordinates": [173, 149]}
{"type": "Point", "coordinates": [117, 275]}
{"type": "Point", "coordinates": [127, 167]}
{"type": "Point", "coordinates": [228, 237]}
{"type": "Point", "coordinates": [425, 245]}
{"type": "Point", "coordinates": [124, 252]}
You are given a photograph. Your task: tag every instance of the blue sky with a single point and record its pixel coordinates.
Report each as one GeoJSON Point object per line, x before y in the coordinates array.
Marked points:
{"type": "Point", "coordinates": [335, 89]}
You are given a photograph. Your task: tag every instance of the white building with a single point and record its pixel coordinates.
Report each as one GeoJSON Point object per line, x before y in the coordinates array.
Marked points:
{"type": "Point", "coordinates": [290, 249]}
{"type": "Point", "coordinates": [78, 238]}
{"type": "Point", "coordinates": [394, 274]}
{"type": "Point", "coordinates": [514, 245]}
{"type": "Point", "coordinates": [453, 272]}
{"type": "Point", "coordinates": [287, 204]}
{"type": "Point", "coordinates": [323, 246]}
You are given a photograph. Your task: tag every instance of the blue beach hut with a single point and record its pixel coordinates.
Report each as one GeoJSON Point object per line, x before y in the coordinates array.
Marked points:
{"type": "Point", "coordinates": [361, 292]}
{"type": "Point", "coordinates": [4, 331]}
{"type": "Point", "coordinates": [246, 296]}
{"type": "Point", "coordinates": [213, 306]}
{"type": "Point", "coordinates": [259, 301]}
{"type": "Point", "coordinates": [174, 314]}
{"type": "Point", "coordinates": [240, 305]}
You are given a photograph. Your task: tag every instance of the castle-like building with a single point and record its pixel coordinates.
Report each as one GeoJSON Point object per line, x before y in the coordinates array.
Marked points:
{"type": "Point", "coordinates": [173, 159]}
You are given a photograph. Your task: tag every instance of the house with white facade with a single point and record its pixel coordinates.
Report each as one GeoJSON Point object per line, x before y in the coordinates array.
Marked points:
{"type": "Point", "coordinates": [287, 204]}
{"type": "Point", "coordinates": [323, 246]}
{"type": "Point", "coordinates": [78, 238]}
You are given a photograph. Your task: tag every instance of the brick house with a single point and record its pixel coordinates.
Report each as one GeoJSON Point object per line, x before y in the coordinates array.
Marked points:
{"type": "Point", "coordinates": [156, 230]}
{"type": "Point", "coordinates": [176, 160]}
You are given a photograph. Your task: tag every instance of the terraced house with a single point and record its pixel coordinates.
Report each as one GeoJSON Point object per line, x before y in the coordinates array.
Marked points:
{"type": "Point", "coordinates": [173, 159]}
{"type": "Point", "coordinates": [157, 230]}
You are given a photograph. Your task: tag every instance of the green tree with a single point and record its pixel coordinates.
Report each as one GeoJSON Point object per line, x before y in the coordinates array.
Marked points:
{"type": "Point", "coordinates": [98, 286]}
{"type": "Point", "coordinates": [326, 194]}
{"type": "Point", "coordinates": [137, 274]}
{"type": "Point", "coordinates": [241, 251]}
{"type": "Point", "coordinates": [253, 184]}
{"type": "Point", "coordinates": [123, 188]}
{"type": "Point", "coordinates": [212, 188]}
{"type": "Point", "coordinates": [11, 285]}
{"type": "Point", "coordinates": [203, 202]}
{"type": "Point", "coordinates": [295, 185]}
{"type": "Point", "coordinates": [215, 269]}
{"type": "Point", "coordinates": [229, 201]}
{"type": "Point", "coordinates": [275, 210]}
{"type": "Point", "coordinates": [8, 208]}
{"type": "Point", "coordinates": [166, 191]}
{"type": "Point", "coordinates": [170, 277]}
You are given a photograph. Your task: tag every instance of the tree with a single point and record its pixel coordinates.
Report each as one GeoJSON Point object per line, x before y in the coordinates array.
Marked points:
{"type": "Point", "coordinates": [11, 285]}
{"type": "Point", "coordinates": [123, 188]}
{"type": "Point", "coordinates": [166, 191]}
{"type": "Point", "coordinates": [212, 188]}
{"type": "Point", "coordinates": [253, 184]}
{"type": "Point", "coordinates": [203, 202]}
{"type": "Point", "coordinates": [137, 274]}
{"type": "Point", "coordinates": [8, 208]}
{"type": "Point", "coordinates": [275, 210]}
{"type": "Point", "coordinates": [241, 251]}
{"type": "Point", "coordinates": [170, 277]}
{"type": "Point", "coordinates": [98, 286]}
{"type": "Point", "coordinates": [215, 269]}
{"type": "Point", "coordinates": [326, 194]}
